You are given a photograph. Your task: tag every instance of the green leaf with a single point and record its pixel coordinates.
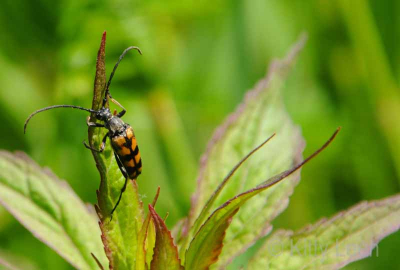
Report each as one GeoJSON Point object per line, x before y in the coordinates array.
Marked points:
{"type": "Point", "coordinates": [119, 235]}
{"type": "Point", "coordinates": [331, 243]}
{"type": "Point", "coordinates": [165, 255]}
{"type": "Point", "coordinates": [150, 242]}
{"type": "Point", "coordinates": [11, 261]}
{"type": "Point", "coordinates": [49, 208]}
{"type": "Point", "coordinates": [204, 250]}
{"type": "Point", "coordinates": [261, 114]}
{"type": "Point", "coordinates": [7, 266]}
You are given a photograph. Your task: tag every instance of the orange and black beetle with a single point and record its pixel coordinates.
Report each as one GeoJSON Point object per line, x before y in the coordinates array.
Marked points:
{"type": "Point", "coordinates": [123, 140]}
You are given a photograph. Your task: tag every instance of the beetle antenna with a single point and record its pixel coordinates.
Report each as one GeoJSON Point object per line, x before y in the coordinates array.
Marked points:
{"type": "Point", "coordinates": [53, 107]}
{"type": "Point", "coordinates": [115, 68]}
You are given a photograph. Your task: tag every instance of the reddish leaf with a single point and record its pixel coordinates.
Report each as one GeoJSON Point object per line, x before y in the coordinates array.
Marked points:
{"type": "Point", "coordinates": [146, 240]}
{"type": "Point", "coordinates": [165, 252]}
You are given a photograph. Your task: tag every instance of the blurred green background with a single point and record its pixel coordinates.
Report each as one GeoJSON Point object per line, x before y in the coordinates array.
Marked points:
{"type": "Point", "coordinates": [198, 60]}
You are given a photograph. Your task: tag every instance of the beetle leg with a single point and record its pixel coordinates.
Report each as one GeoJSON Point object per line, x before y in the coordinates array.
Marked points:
{"type": "Point", "coordinates": [122, 168]}
{"type": "Point", "coordinates": [103, 145]}
{"type": "Point", "coordinates": [121, 113]}
{"type": "Point", "coordinates": [93, 124]}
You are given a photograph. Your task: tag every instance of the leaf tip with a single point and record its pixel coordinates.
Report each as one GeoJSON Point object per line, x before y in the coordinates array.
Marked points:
{"type": "Point", "coordinates": [97, 261]}
{"type": "Point", "coordinates": [103, 39]}
{"type": "Point", "coordinates": [156, 197]}
{"type": "Point", "coordinates": [102, 48]}
{"type": "Point", "coordinates": [152, 210]}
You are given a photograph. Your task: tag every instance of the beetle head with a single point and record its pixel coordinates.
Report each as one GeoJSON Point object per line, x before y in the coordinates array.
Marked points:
{"type": "Point", "coordinates": [103, 114]}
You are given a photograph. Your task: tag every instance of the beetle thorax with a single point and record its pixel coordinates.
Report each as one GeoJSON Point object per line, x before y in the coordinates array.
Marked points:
{"type": "Point", "coordinates": [115, 125]}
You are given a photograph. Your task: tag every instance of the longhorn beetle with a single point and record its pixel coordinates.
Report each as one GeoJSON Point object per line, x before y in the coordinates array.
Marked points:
{"type": "Point", "coordinates": [122, 137]}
